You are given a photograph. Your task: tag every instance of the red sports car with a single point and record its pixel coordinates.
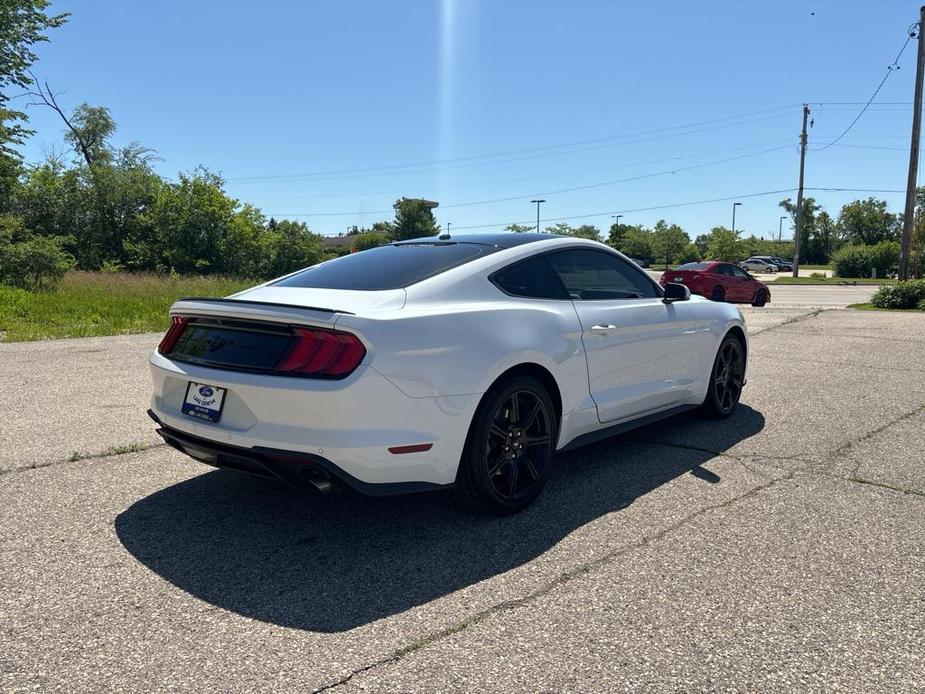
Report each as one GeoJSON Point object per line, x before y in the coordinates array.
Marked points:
{"type": "Point", "coordinates": [719, 281]}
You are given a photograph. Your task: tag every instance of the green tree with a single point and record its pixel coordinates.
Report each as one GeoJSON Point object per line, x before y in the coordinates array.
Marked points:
{"type": "Point", "coordinates": [615, 234]}
{"type": "Point", "coordinates": [868, 222]}
{"type": "Point", "coordinates": [561, 228]}
{"type": "Point", "coordinates": [668, 242]}
{"type": "Point", "coordinates": [369, 239]}
{"type": "Point", "coordinates": [23, 24]}
{"type": "Point", "coordinates": [637, 243]}
{"type": "Point", "coordinates": [808, 228]}
{"type": "Point", "coordinates": [28, 261]}
{"type": "Point", "coordinates": [519, 228]}
{"type": "Point", "coordinates": [413, 219]}
{"type": "Point", "coordinates": [89, 130]}
{"type": "Point", "coordinates": [586, 231]}
{"type": "Point", "coordinates": [289, 247]}
{"type": "Point", "coordinates": [723, 244]}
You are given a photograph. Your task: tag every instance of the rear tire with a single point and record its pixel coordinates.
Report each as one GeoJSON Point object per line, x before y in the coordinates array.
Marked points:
{"type": "Point", "coordinates": [510, 448]}
{"type": "Point", "coordinates": [727, 378]}
{"type": "Point", "coordinates": [718, 294]}
{"type": "Point", "coordinates": [761, 298]}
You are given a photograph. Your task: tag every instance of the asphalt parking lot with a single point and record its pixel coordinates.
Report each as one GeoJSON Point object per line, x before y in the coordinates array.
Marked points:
{"type": "Point", "coordinates": [781, 550]}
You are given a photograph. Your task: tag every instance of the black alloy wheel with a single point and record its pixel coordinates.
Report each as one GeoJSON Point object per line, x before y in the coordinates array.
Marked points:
{"type": "Point", "coordinates": [726, 379]}
{"type": "Point", "coordinates": [510, 449]}
{"type": "Point", "coordinates": [761, 298]}
{"type": "Point", "coordinates": [718, 294]}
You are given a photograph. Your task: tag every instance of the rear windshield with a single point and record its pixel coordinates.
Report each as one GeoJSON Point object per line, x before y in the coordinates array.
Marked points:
{"type": "Point", "coordinates": [693, 266]}
{"type": "Point", "coordinates": [387, 267]}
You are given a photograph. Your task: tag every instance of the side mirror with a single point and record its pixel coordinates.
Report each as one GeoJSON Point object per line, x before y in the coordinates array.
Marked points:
{"type": "Point", "coordinates": [675, 292]}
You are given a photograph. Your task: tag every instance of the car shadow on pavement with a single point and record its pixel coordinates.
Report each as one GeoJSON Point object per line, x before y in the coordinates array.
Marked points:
{"type": "Point", "coordinates": [332, 563]}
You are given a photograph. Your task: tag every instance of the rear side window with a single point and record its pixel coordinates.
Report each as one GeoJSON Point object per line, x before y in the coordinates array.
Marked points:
{"type": "Point", "coordinates": [593, 275]}
{"type": "Point", "coordinates": [387, 267]}
{"type": "Point", "coordinates": [533, 278]}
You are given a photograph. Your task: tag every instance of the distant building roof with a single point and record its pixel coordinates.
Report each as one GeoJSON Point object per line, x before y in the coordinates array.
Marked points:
{"type": "Point", "coordinates": [339, 241]}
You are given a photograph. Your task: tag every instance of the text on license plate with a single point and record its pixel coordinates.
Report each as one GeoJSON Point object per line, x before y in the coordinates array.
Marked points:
{"type": "Point", "coordinates": [204, 401]}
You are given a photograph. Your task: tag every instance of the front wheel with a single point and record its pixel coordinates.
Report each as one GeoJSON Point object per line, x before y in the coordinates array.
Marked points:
{"type": "Point", "coordinates": [510, 448]}
{"type": "Point", "coordinates": [761, 298]}
{"type": "Point", "coordinates": [727, 378]}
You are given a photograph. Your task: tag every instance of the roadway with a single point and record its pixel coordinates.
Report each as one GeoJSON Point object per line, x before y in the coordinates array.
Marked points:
{"type": "Point", "coordinates": [780, 550]}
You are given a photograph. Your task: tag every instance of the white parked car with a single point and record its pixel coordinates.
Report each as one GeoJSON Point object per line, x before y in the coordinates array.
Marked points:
{"type": "Point", "coordinates": [464, 363]}
{"type": "Point", "coordinates": [757, 265]}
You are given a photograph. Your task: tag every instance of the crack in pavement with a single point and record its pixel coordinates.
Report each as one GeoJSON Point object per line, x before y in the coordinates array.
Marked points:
{"type": "Point", "coordinates": [586, 568]}
{"type": "Point", "coordinates": [77, 458]}
{"type": "Point", "coordinates": [789, 321]}
{"type": "Point", "coordinates": [564, 577]}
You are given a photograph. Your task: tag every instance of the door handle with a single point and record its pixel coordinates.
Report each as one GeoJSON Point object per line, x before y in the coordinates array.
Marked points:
{"type": "Point", "coordinates": [603, 328]}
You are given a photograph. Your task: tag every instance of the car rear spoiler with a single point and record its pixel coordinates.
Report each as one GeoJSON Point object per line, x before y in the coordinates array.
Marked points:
{"type": "Point", "coordinates": [243, 309]}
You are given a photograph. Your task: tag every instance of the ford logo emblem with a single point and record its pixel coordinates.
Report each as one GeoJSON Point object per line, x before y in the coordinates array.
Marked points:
{"type": "Point", "coordinates": [205, 391]}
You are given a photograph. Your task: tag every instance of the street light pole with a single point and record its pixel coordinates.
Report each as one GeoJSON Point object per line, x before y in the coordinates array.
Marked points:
{"type": "Point", "coordinates": [537, 213]}
{"type": "Point", "coordinates": [780, 229]}
{"type": "Point", "coordinates": [448, 228]}
{"type": "Point", "coordinates": [734, 206]}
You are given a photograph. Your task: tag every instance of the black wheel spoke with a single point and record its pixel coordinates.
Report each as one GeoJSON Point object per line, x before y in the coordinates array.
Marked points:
{"type": "Point", "coordinates": [539, 440]}
{"type": "Point", "coordinates": [512, 490]}
{"type": "Point", "coordinates": [496, 430]}
{"type": "Point", "coordinates": [531, 468]}
{"type": "Point", "coordinates": [532, 416]}
{"type": "Point", "coordinates": [513, 412]}
{"type": "Point", "coordinates": [495, 468]}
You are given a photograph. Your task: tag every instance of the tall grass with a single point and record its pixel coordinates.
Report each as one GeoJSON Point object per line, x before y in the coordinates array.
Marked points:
{"type": "Point", "coordinates": [88, 304]}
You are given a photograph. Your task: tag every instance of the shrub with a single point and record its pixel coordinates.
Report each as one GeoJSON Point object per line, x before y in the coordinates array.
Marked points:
{"type": "Point", "coordinates": [902, 295]}
{"type": "Point", "coordinates": [30, 262]}
{"type": "Point", "coordinates": [369, 239]}
{"type": "Point", "coordinates": [861, 261]}
{"type": "Point", "coordinates": [817, 275]}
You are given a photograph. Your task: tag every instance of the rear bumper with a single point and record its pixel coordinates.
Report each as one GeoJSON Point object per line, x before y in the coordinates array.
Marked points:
{"type": "Point", "coordinates": [352, 423]}
{"type": "Point", "coordinates": [295, 468]}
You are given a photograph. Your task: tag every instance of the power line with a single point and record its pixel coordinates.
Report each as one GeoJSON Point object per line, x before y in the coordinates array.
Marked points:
{"type": "Point", "coordinates": [681, 204]}
{"type": "Point", "coordinates": [889, 71]}
{"type": "Point", "coordinates": [472, 160]}
{"type": "Point", "coordinates": [549, 192]}
{"type": "Point", "coordinates": [557, 174]}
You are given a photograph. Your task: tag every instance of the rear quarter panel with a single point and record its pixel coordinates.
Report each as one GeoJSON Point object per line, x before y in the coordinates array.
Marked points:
{"type": "Point", "coordinates": [432, 349]}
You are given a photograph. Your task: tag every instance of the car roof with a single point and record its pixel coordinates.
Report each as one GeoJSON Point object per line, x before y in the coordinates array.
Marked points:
{"type": "Point", "coordinates": [508, 239]}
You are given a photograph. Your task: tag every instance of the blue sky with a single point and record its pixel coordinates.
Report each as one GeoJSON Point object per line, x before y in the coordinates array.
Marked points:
{"type": "Point", "coordinates": [327, 111]}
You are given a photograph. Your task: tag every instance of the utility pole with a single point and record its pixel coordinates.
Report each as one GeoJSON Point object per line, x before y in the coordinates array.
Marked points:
{"type": "Point", "coordinates": [780, 229]}
{"type": "Point", "coordinates": [799, 219]}
{"type": "Point", "coordinates": [909, 213]}
{"type": "Point", "coordinates": [537, 214]}
{"type": "Point", "coordinates": [734, 206]}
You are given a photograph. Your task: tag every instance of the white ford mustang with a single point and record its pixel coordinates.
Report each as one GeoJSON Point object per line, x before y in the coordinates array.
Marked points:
{"type": "Point", "coordinates": [462, 362]}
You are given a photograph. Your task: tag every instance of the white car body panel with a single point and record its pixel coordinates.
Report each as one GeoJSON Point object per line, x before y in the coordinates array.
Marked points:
{"type": "Point", "coordinates": [433, 350]}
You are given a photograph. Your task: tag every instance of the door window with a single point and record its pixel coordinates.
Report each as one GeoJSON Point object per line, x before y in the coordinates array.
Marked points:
{"type": "Point", "coordinates": [592, 275]}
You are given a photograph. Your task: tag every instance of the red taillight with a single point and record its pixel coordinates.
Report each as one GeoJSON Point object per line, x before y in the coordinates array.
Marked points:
{"type": "Point", "coordinates": [177, 326]}
{"type": "Point", "coordinates": [323, 353]}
